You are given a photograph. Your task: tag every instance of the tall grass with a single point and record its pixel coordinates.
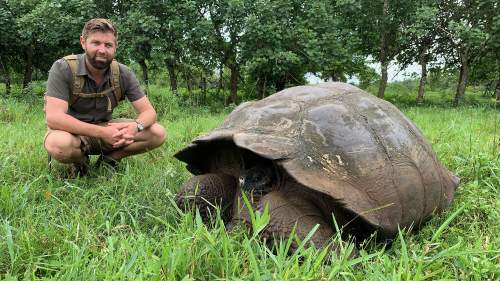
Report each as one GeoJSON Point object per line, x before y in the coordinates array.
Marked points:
{"type": "Point", "coordinates": [125, 226]}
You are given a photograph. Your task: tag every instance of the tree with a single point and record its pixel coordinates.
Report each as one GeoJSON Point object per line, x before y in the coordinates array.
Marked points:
{"type": "Point", "coordinates": [418, 39]}
{"type": "Point", "coordinates": [228, 22]}
{"type": "Point", "coordinates": [202, 56]}
{"type": "Point", "coordinates": [467, 30]}
{"type": "Point", "coordinates": [138, 33]}
{"type": "Point", "coordinates": [9, 43]}
{"type": "Point", "coordinates": [333, 48]}
{"type": "Point", "coordinates": [378, 25]}
{"type": "Point", "coordinates": [274, 46]}
{"type": "Point", "coordinates": [286, 39]}
{"type": "Point", "coordinates": [174, 21]}
{"type": "Point", "coordinates": [45, 30]}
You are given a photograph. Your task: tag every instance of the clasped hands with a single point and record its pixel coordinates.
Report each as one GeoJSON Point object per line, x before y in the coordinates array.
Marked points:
{"type": "Point", "coordinates": [120, 134]}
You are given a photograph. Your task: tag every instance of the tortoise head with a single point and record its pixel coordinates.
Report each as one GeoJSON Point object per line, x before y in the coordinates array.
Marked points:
{"type": "Point", "coordinates": [259, 178]}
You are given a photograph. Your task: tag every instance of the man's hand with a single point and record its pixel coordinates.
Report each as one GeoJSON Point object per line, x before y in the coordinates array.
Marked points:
{"type": "Point", "coordinates": [124, 133]}
{"type": "Point", "coordinates": [112, 135]}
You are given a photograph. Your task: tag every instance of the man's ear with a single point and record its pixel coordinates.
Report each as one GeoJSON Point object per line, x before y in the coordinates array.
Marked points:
{"type": "Point", "coordinates": [82, 42]}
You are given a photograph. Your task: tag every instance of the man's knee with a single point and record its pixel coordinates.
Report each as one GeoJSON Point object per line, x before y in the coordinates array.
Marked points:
{"type": "Point", "coordinates": [61, 145]}
{"type": "Point", "coordinates": [158, 135]}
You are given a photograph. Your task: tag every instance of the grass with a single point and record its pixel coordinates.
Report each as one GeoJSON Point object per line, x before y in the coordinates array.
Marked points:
{"type": "Point", "coordinates": [125, 226]}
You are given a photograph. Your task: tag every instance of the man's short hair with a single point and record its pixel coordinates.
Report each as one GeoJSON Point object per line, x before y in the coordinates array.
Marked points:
{"type": "Point", "coordinates": [102, 25]}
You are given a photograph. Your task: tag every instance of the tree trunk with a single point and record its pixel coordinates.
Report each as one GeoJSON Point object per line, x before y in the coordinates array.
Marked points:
{"type": "Point", "coordinates": [234, 84]}
{"type": "Point", "coordinates": [383, 79]}
{"type": "Point", "coordinates": [280, 84]}
{"type": "Point", "coordinates": [497, 90]}
{"type": "Point", "coordinates": [6, 74]}
{"type": "Point", "coordinates": [334, 77]}
{"type": "Point", "coordinates": [187, 78]}
{"type": "Point", "coordinates": [383, 53]}
{"type": "Point", "coordinates": [337, 77]}
{"type": "Point", "coordinates": [423, 78]}
{"type": "Point", "coordinates": [203, 86]}
{"type": "Point", "coordinates": [8, 86]}
{"type": "Point", "coordinates": [28, 67]}
{"type": "Point", "coordinates": [144, 68]}
{"type": "Point", "coordinates": [170, 63]}
{"type": "Point", "coordinates": [221, 73]}
{"type": "Point", "coordinates": [463, 79]}
{"type": "Point", "coordinates": [262, 87]}
{"type": "Point", "coordinates": [145, 77]}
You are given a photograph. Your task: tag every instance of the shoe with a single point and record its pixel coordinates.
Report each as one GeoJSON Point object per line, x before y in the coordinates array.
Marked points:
{"type": "Point", "coordinates": [81, 169]}
{"type": "Point", "coordinates": [107, 161]}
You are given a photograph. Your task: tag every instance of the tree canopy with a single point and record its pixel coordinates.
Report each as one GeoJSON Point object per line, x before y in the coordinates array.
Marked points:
{"type": "Point", "coordinates": [264, 45]}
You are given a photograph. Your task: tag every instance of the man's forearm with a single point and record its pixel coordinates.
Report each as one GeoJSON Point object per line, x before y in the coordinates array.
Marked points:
{"type": "Point", "coordinates": [147, 118]}
{"type": "Point", "coordinates": [68, 123]}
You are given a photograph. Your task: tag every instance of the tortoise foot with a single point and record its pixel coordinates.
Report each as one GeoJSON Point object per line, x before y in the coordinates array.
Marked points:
{"type": "Point", "coordinates": [207, 192]}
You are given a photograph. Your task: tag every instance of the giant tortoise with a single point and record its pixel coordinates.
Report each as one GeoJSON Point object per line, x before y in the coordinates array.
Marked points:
{"type": "Point", "coordinates": [314, 153]}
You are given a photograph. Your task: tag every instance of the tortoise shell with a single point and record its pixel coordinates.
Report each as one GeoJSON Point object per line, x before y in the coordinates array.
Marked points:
{"type": "Point", "coordinates": [345, 143]}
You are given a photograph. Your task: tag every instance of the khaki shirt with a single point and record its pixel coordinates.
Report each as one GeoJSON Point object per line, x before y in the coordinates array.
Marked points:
{"type": "Point", "coordinates": [91, 110]}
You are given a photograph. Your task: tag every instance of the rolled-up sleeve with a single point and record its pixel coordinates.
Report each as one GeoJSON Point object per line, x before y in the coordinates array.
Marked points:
{"type": "Point", "coordinates": [58, 83]}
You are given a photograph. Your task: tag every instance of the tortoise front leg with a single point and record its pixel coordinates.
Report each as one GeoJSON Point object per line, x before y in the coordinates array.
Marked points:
{"type": "Point", "coordinates": [288, 210]}
{"type": "Point", "coordinates": [206, 192]}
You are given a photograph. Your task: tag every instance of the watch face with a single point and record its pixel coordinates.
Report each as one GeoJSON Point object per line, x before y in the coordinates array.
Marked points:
{"type": "Point", "coordinates": [140, 126]}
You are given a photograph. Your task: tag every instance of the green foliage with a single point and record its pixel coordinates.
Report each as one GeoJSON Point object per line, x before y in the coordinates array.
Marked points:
{"type": "Point", "coordinates": [439, 95]}
{"type": "Point", "coordinates": [275, 46]}
{"type": "Point", "coordinates": [366, 18]}
{"type": "Point", "coordinates": [48, 28]}
{"type": "Point", "coordinates": [137, 35]}
{"type": "Point", "coordinates": [280, 48]}
{"type": "Point", "coordinates": [420, 34]}
{"type": "Point", "coordinates": [367, 77]}
{"type": "Point", "coordinates": [257, 46]}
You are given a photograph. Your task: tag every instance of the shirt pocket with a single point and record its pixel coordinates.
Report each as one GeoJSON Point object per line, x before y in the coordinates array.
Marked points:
{"type": "Point", "coordinates": [101, 104]}
{"type": "Point", "coordinates": [83, 105]}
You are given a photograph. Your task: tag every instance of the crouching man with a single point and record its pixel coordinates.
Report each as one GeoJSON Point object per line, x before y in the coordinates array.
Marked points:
{"type": "Point", "coordinates": [82, 91]}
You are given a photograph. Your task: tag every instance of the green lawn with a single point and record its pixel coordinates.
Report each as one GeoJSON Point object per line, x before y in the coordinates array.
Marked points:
{"type": "Point", "coordinates": [124, 226]}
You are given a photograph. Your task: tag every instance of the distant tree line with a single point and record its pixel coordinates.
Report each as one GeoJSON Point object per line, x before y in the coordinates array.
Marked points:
{"type": "Point", "coordinates": [265, 45]}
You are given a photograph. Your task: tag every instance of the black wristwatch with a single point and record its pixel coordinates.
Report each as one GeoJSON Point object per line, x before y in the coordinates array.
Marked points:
{"type": "Point", "coordinates": [140, 126]}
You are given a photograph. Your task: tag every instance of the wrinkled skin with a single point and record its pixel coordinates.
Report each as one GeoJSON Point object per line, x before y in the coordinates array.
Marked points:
{"type": "Point", "coordinates": [314, 153]}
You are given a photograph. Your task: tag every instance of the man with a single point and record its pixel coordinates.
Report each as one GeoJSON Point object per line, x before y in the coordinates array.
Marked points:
{"type": "Point", "coordinates": [80, 124]}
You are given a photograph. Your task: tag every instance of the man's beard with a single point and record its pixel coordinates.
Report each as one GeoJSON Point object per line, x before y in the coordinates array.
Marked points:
{"type": "Point", "coordinates": [99, 64]}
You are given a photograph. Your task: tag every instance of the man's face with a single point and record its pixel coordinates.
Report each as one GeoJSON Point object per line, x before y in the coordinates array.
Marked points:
{"type": "Point", "coordinates": [100, 48]}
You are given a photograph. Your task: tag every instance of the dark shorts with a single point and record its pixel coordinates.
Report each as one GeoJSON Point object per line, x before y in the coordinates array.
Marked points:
{"type": "Point", "coordinates": [96, 146]}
